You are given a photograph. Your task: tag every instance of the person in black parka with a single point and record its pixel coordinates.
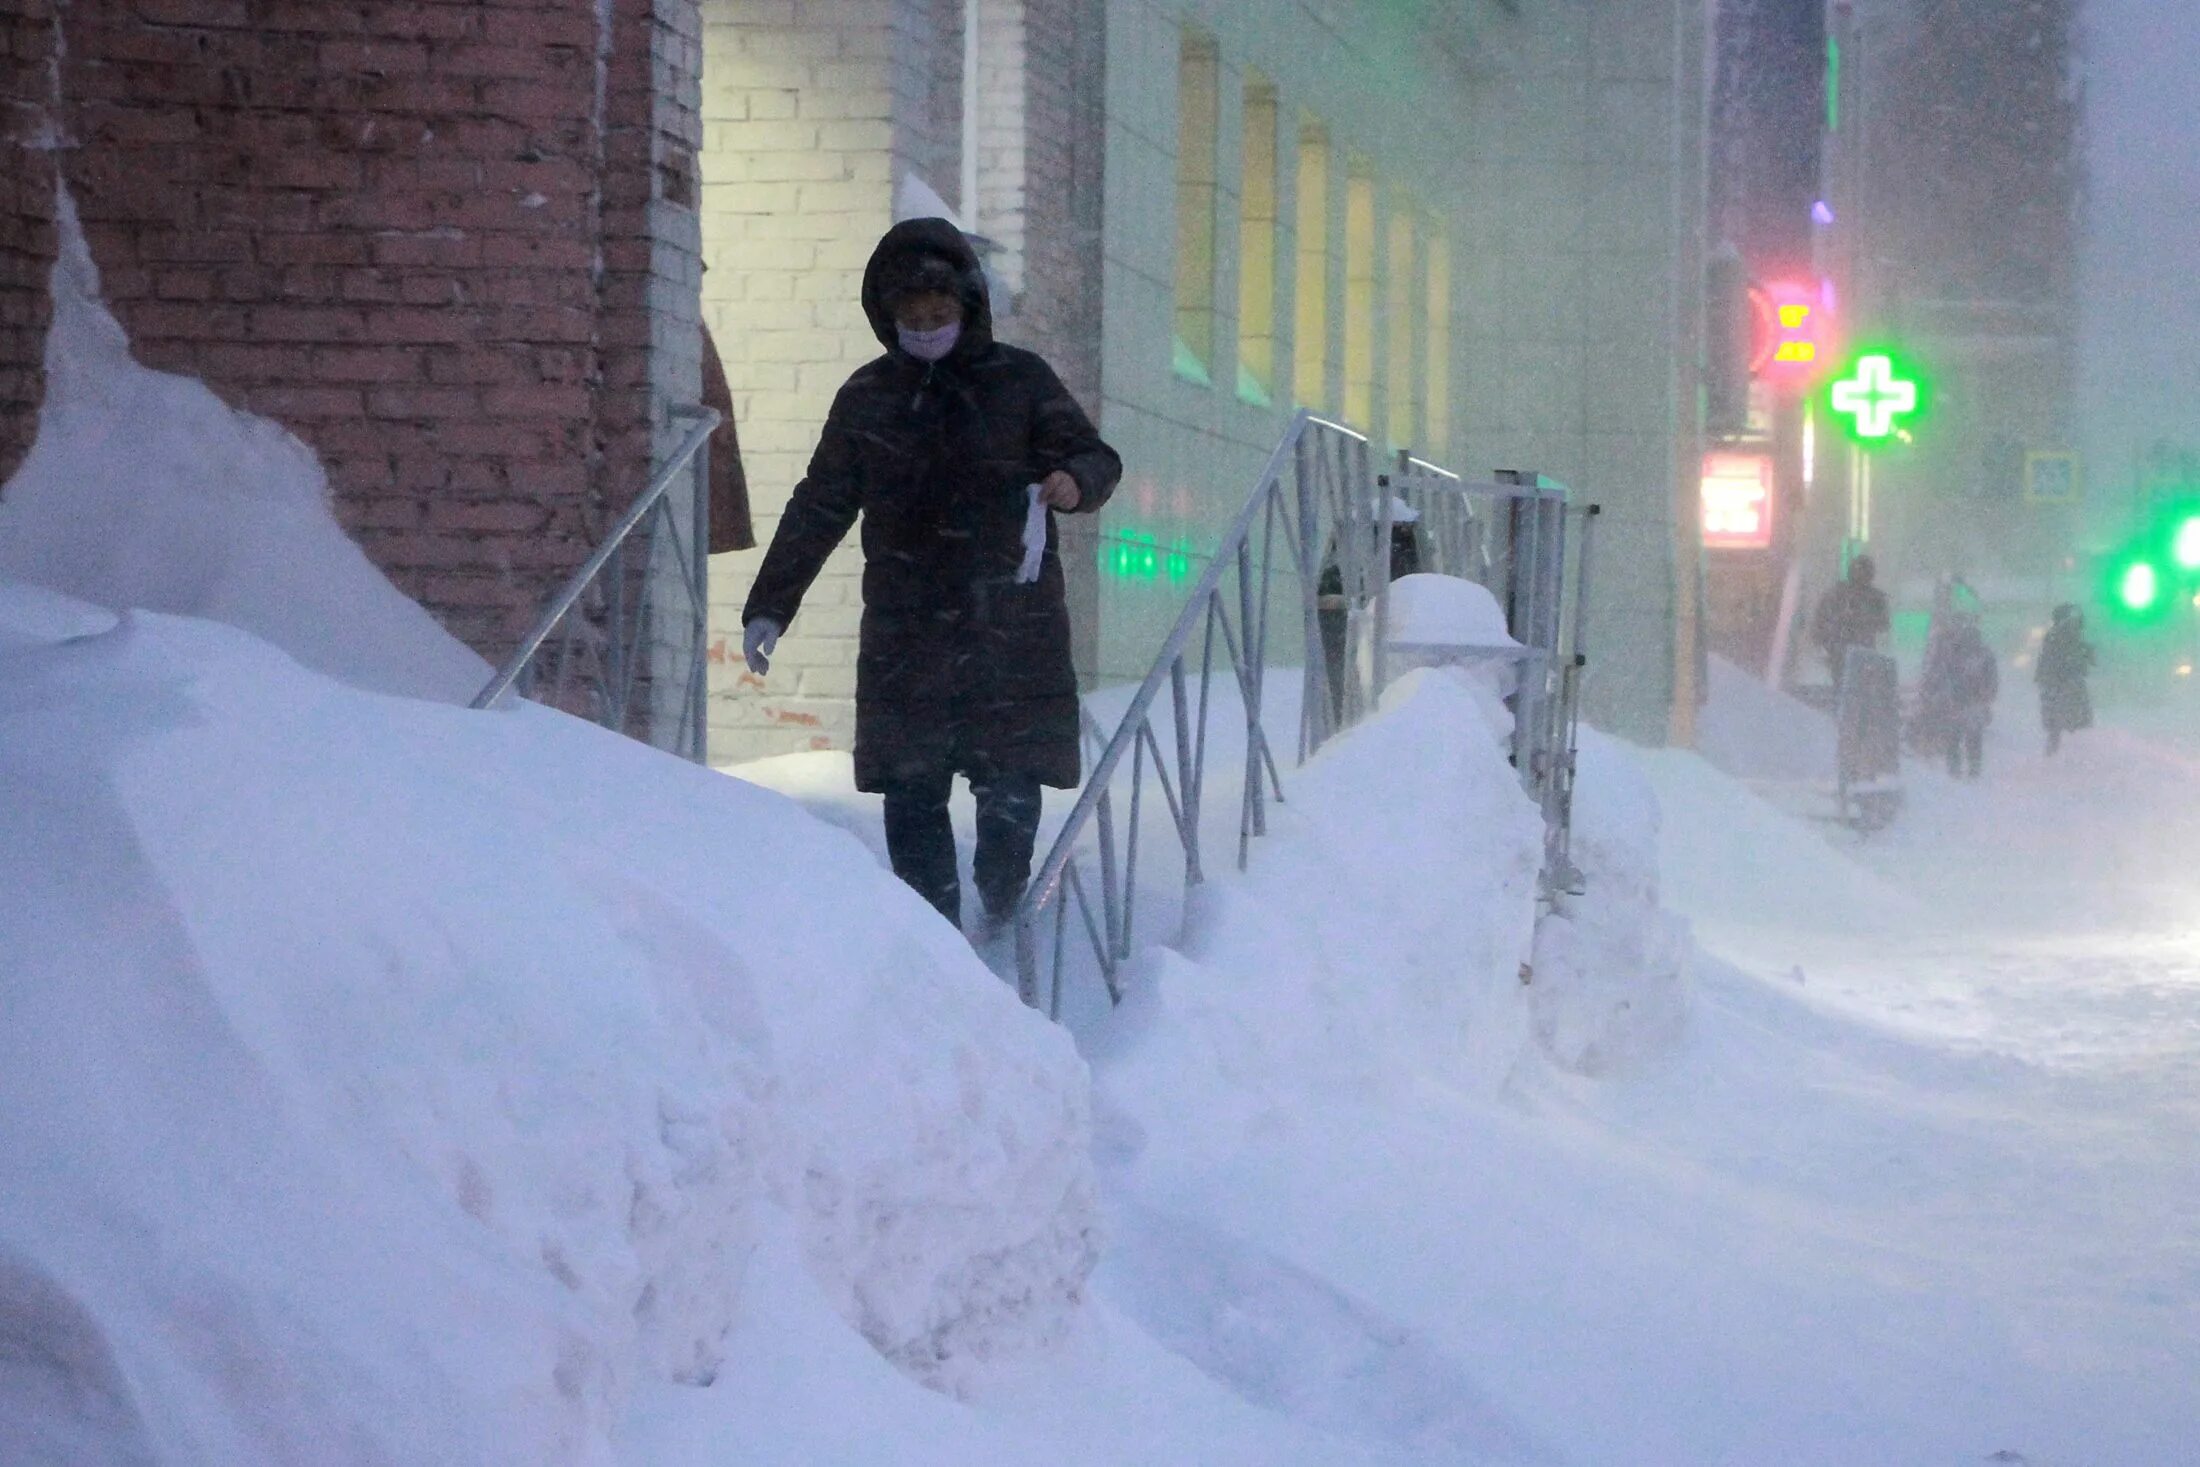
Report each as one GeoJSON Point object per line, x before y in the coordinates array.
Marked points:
{"type": "Point", "coordinates": [962, 667]}
{"type": "Point", "coordinates": [2065, 659]}
{"type": "Point", "coordinates": [1853, 614]}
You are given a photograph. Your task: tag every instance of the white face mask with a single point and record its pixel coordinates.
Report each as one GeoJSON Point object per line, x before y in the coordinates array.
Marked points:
{"type": "Point", "coordinates": [929, 346]}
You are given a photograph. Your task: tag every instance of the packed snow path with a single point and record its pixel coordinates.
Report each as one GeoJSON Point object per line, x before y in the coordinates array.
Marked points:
{"type": "Point", "coordinates": [1914, 1184]}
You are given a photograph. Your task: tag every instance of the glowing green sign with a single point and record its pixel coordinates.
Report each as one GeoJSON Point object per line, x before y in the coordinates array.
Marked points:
{"type": "Point", "coordinates": [1873, 397]}
{"type": "Point", "coordinates": [1137, 556]}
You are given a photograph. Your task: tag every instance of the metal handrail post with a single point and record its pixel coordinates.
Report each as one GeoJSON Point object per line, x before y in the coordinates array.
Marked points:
{"type": "Point", "coordinates": [1314, 700]}
{"type": "Point", "coordinates": [1249, 691]}
{"type": "Point", "coordinates": [1332, 473]}
{"type": "Point", "coordinates": [1046, 880]}
{"type": "Point", "coordinates": [1187, 775]}
{"type": "Point", "coordinates": [576, 585]}
{"type": "Point", "coordinates": [698, 710]}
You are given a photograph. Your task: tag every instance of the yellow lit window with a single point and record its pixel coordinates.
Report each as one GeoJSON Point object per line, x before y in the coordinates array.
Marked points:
{"type": "Point", "coordinates": [1257, 220]}
{"type": "Point", "coordinates": [1310, 307]}
{"type": "Point", "coordinates": [1359, 298]}
{"type": "Point", "coordinates": [1403, 370]}
{"type": "Point", "coordinates": [1436, 384]}
{"type": "Point", "coordinates": [1197, 113]}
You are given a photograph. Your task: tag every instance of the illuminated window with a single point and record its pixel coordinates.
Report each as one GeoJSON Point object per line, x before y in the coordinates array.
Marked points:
{"type": "Point", "coordinates": [1197, 114]}
{"type": "Point", "coordinates": [1436, 381]}
{"type": "Point", "coordinates": [1257, 221]}
{"type": "Point", "coordinates": [1359, 297]}
{"type": "Point", "coordinates": [1310, 309]}
{"type": "Point", "coordinates": [1402, 374]}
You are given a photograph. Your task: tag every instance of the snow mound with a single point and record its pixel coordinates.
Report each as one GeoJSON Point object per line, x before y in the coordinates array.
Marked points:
{"type": "Point", "coordinates": [1770, 874]}
{"type": "Point", "coordinates": [1751, 731]}
{"type": "Point", "coordinates": [1612, 966]}
{"type": "Point", "coordinates": [1448, 611]}
{"type": "Point", "coordinates": [384, 1082]}
{"type": "Point", "coordinates": [1346, 959]}
{"type": "Point", "coordinates": [1450, 622]}
{"type": "Point", "coordinates": [144, 489]}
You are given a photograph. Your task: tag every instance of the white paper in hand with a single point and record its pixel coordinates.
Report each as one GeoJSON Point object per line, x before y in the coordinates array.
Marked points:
{"type": "Point", "coordinates": [1035, 537]}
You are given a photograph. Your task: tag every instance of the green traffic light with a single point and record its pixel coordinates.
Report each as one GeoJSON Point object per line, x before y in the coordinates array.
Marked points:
{"type": "Point", "coordinates": [2140, 587]}
{"type": "Point", "coordinates": [2185, 545]}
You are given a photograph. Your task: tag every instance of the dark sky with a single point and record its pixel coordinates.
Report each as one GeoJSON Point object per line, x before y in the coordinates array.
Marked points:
{"type": "Point", "coordinates": [2141, 270]}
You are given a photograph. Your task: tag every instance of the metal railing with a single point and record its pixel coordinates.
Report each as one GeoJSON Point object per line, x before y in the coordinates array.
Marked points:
{"type": "Point", "coordinates": [611, 623]}
{"type": "Point", "coordinates": [1523, 538]}
{"type": "Point", "coordinates": [1310, 554]}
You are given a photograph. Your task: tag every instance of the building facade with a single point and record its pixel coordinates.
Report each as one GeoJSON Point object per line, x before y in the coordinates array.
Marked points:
{"type": "Point", "coordinates": [1474, 231]}
{"type": "Point", "coordinates": [463, 251]}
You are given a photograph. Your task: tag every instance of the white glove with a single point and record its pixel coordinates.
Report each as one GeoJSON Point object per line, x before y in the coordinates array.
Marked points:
{"type": "Point", "coordinates": [758, 638]}
{"type": "Point", "coordinates": [1035, 538]}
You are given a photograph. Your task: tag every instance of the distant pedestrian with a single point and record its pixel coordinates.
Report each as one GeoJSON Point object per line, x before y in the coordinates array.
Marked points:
{"type": "Point", "coordinates": [1852, 614]}
{"type": "Point", "coordinates": [2066, 705]}
{"type": "Point", "coordinates": [957, 451]}
{"type": "Point", "coordinates": [1953, 599]}
{"type": "Point", "coordinates": [1960, 683]}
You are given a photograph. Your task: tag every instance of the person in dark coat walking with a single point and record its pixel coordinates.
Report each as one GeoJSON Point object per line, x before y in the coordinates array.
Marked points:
{"type": "Point", "coordinates": [1853, 614]}
{"type": "Point", "coordinates": [1962, 680]}
{"type": "Point", "coordinates": [957, 450]}
{"type": "Point", "coordinates": [2066, 705]}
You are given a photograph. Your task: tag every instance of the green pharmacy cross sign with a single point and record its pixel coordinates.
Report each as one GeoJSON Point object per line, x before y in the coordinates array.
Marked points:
{"type": "Point", "coordinates": [1873, 397]}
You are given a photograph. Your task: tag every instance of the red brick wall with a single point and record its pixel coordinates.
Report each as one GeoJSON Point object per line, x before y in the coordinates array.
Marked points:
{"type": "Point", "coordinates": [405, 229]}
{"type": "Point", "coordinates": [26, 220]}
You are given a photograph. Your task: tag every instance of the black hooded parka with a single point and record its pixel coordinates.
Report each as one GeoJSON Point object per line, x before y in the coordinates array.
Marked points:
{"type": "Point", "coordinates": [959, 666]}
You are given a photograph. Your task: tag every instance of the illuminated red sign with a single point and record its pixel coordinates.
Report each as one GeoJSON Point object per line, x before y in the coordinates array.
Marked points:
{"type": "Point", "coordinates": [1737, 501]}
{"type": "Point", "coordinates": [1791, 340]}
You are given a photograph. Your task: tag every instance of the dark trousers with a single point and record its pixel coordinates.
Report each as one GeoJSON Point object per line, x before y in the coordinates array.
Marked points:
{"type": "Point", "coordinates": [1966, 747]}
{"type": "Point", "coordinates": [920, 840]}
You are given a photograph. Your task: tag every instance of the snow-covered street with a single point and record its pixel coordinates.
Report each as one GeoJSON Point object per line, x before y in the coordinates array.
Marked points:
{"type": "Point", "coordinates": [1913, 1184]}
{"type": "Point", "coordinates": [1902, 1173]}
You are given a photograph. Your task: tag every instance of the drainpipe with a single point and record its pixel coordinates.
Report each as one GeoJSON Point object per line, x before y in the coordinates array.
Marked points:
{"type": "Point", "coordinates": [969, 200]}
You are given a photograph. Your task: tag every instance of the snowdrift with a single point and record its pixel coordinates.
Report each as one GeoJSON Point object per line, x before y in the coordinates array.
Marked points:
{"type": "Point", "coordinates": [1385, 936]}
{"type": "Point", "coordinates": [144, 489]}
{"type": "Point", "coordinates": [1613, 968]}
{"type": "Point", "coordinates": [1753, 732]}
{"type": "Point", "coordinates": [382, 1082]}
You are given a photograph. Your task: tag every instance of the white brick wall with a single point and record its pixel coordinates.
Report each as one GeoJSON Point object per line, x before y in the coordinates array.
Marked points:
{"type": "Point", "coordinates": [1002, 195]}
{"type": "Point", "coordinates": [798, 113]}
